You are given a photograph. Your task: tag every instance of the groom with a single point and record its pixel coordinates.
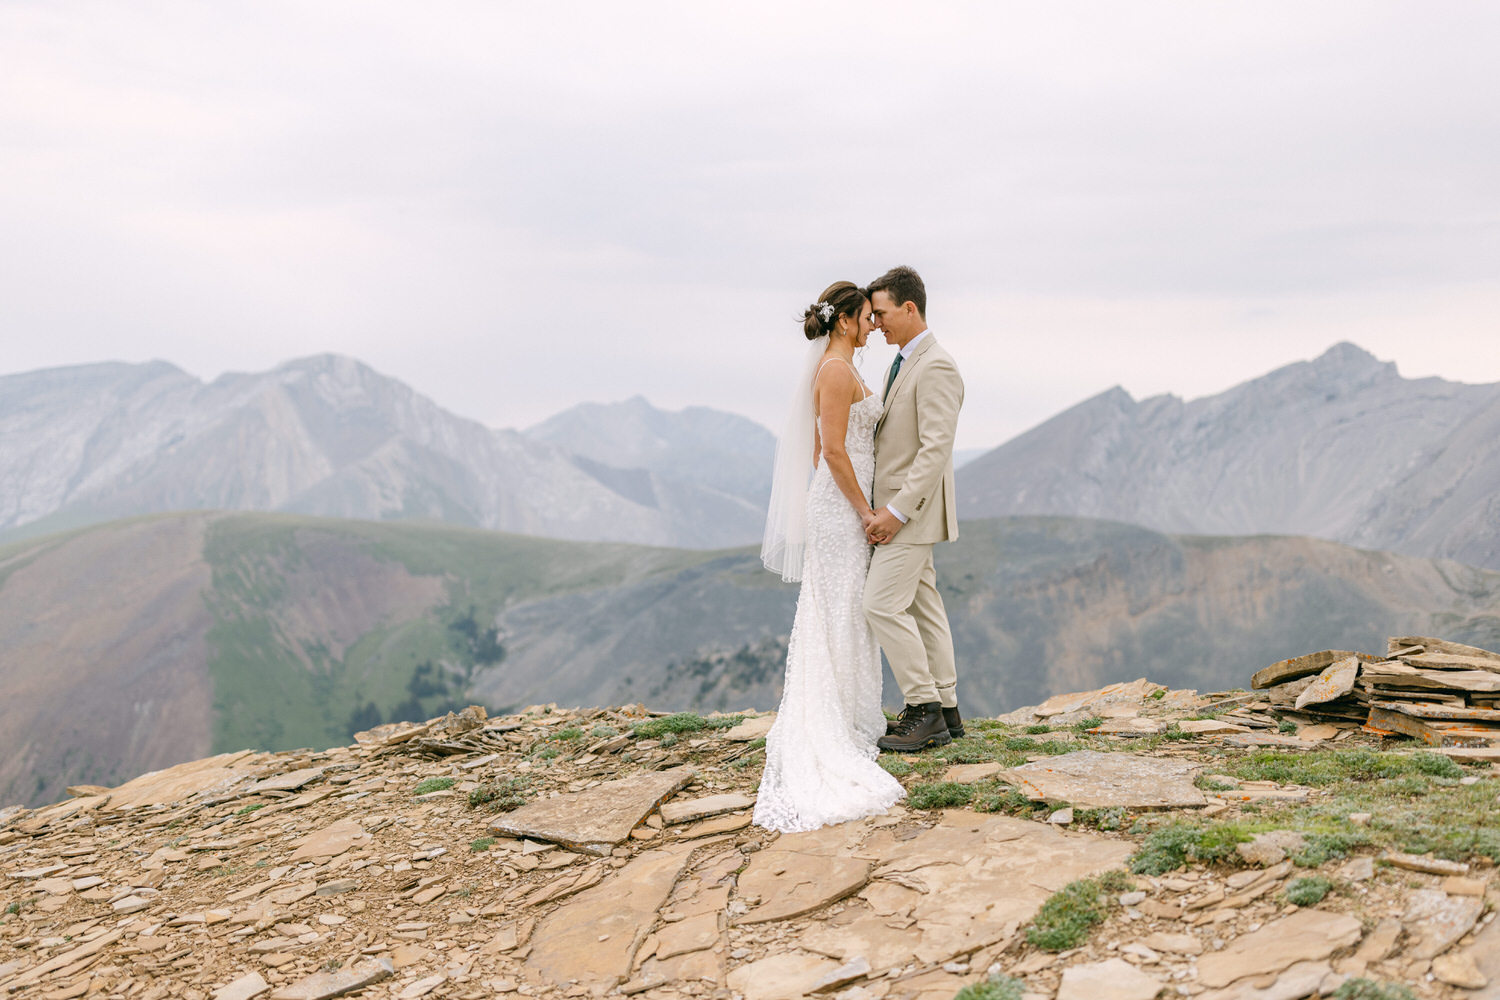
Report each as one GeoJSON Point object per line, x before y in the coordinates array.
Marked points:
{"type": "Point", "coordinates": [915, 507]}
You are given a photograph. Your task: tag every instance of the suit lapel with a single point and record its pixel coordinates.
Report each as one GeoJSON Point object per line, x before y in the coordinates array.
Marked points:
{"type": "Point", "coordinates": [906, 369]}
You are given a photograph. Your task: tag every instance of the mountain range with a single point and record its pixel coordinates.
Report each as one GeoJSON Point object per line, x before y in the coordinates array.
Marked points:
{"type": "Point", "coordinates": [1341, 447]}
{"type": "Point", "coordinates": [138, 643]}
{"type": "Point", "coordinates": [328, 435]}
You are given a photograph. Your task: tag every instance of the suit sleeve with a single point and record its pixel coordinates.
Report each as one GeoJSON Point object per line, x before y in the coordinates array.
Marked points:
{"type": "Point", "coordinates": [940, 394]}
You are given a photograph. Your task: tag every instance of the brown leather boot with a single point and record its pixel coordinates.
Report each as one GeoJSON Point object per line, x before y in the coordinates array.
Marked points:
{"type": "Point", "coordinates": [920, 727]}
{"type": "Point", "coordinates": [955, 724]}
{"type": "Point", "coordinates": [891, 724]}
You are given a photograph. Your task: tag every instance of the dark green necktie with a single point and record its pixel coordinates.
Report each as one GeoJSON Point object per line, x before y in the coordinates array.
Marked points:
{"type": "Point", "coordinates": [890, 379]}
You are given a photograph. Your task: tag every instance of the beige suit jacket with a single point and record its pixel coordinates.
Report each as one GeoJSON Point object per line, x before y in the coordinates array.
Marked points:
{"type": "Point", "coordinates": [914, 445]}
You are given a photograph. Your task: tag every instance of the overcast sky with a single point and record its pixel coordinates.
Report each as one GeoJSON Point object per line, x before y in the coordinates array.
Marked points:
{"type": "Point", "coordinates": [519, 206]}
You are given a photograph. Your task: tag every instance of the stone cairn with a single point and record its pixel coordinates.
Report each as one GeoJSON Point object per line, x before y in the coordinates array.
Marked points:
{"type": "Point", "coordinates": [1442, 693]}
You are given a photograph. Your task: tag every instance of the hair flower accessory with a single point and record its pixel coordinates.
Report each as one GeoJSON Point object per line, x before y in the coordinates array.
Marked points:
{"type": "Point", "coordinates": [825, 310]}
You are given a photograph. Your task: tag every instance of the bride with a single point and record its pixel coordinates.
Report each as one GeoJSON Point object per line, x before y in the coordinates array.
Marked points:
{"type": "Point", "coordinates": [820, 753]}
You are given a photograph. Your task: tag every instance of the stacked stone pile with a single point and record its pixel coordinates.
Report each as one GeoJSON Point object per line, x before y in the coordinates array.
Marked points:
{"type": "Point", "coordinates": [1443, 693]}
{"type": "Point", "coordinates": [560, 854]}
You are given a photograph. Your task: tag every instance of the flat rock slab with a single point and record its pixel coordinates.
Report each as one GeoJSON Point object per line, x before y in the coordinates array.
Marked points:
{"type": "Point", "coordinates": [789, 883]}
{"type": "Point", "coordinates": [1210, 727]}
{"type": "Point", "coordinates": [1300, 980]}
{"type": "Point", "coordinates": [1309, 935]}
{"type": "Point", "coordinates": [322, 985]}
{"type": "Point", "coordinates": [1435, 920]}
{"type": "Point", "coordinates": [289, 782]}
{"type": "Point", "coordinates": [967, 882]}
{"type": "Point", "coordinates": [247, 987]}
{"type": "Point", "coordinates": [173, 784]}
{"type": "Point", "coordinates": [1301, 666]}
{"type": "Point", "coordinates": [329, 842]}
{"type": "Point", "coordinates": [789, 976]}
{"type": "Point", "coordinates": [1124, 692]}
{"type": "Point", "coordinates": [1115, 979]}
{"type": "Point", "coordinates": [1486, 953]}
{"type": "Point", "coordinates": [593, 937]}
{"type": "Point", "coordinates": [966, 773]}
{"type": "Point", "coordinates": [1094, 780]}
{"type": "Point", "coordinates": [1335, 681]}
{"type": "Point", "coordinates": [687, 810]}
{"type": "Point", "coordinates": [597, 819]}
{"type": "Point", "coordinates": [751, 729]}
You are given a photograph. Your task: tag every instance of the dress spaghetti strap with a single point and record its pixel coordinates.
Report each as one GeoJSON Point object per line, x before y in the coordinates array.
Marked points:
{"type": "Point", "coordinates": [854, 371]}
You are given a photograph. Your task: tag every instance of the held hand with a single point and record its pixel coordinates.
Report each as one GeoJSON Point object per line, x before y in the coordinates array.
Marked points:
{"type": "Point", "coordinates": [883, 527]}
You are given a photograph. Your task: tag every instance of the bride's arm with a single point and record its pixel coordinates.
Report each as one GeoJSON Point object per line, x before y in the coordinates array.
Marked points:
{"type": "Point", "coordinates": [832, 397]}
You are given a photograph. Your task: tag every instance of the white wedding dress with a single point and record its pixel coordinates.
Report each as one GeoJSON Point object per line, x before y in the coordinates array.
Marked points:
{"type": "Point", "coordinates": [820, 753]}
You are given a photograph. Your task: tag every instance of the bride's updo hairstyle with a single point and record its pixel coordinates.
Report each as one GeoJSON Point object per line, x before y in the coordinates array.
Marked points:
{"type": "Point", "coordinates": [842, 298]}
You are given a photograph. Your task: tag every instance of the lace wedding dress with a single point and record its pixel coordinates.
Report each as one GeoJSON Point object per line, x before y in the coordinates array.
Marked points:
{"type": "Point", "coordinates": [820, 754]}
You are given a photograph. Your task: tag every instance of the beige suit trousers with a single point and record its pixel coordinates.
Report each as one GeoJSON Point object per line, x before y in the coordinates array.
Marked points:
{"type": "Point", "coordinates": [906, 613]}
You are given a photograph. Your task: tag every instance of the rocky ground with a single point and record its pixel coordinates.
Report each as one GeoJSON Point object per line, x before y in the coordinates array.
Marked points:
{"type": "Point", "coordinates": [1123, 843]}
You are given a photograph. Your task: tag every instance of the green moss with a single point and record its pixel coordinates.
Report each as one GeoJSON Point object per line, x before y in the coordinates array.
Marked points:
{"type": "Point", "coordinates": [895, 766]}
{"type": "Point", "coordinates": [1308, 890]}
{"type": "Point", "coordinates": [939, 795]}
{"type": "Point", "coordinates": [1170, 847]}
{"type": "Point", "coordinates": [682, 722]}
{"type": "Point", "coordinates": [1066, 918]}
{"type": "Point", "coordinates": [1326, 767]}
{"type": "Point", "coordinates": [251, 808]}
{"type": "Point", "coordinates": [1369, 989]}
{"type": "Point", "coordinates": [993, 988]}
{"type": "Point", "coordinates": [428, 785]}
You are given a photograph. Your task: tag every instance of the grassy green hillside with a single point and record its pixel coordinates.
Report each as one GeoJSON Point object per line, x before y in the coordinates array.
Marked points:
{"type": "Point", "coordinates": [134, 644]}
{"type": "Point", "coordinates": [281, 680]}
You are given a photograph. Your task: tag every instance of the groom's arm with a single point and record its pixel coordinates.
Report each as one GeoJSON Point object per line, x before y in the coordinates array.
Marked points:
{"type": "Point", "coordinates": [940, 394]}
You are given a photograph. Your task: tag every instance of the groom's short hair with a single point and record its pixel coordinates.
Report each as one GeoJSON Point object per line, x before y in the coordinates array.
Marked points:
{"type": "Point", "coordinates": [903, 285]}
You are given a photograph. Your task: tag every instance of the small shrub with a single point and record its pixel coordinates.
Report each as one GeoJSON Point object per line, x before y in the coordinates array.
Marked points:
{"type": "Point", "coordinates": [603, 732]}
{"type": "Point", "coordinates": [1369, 989]}
{"type": "Point", "coordinates": [1037, 729]}
{"type": "Point", "coordinates": [502, 796]}
{"type": "Point", "coordinates": [1158, 694]}
{"type": "Point", "coordinates": [1322, 848]}
{"type": "Point", "coordinates": [939, 795]}
{"type": "Point", "coordinates": [1092, 722]}
{"type": "Point", "coordinates": [1116, 881]}
{"type": "Point", "coordinates": [1100, 819]}
{"type": "Point", "coordinates": [569, 733]}
{"type": "Point", "coordinates": [998, 797]}
{"type": "Point", "coordinates": [1171, 847]}
{"type": "Point", "coordinates": [1175, 732]}
{"type": "Point", "coordinates": [670, 740]}
{"type": "Point", "coordinates": [1065, 919]}
{"type": "Point", "coordinates": [993, 988]}
{"type": "Point", "coordinates": [13, 909]}
{"type": "Point", "coordinates": [749, 760]}
{"type": "Point", "coordinates": [1436, 765]}
{"type": "Point", "coordinates": [547, 753]}
{"type": "Point", "coordinates": [482, 844]}
{"type": "Point", "coordinates": [250, 809]}
{"type": "Point", "coordinates": [428, 785]}
{"type": "Point", "coordinates": [1286, 726]}
{"type": "Point", "coordinates": [1308, 890]}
